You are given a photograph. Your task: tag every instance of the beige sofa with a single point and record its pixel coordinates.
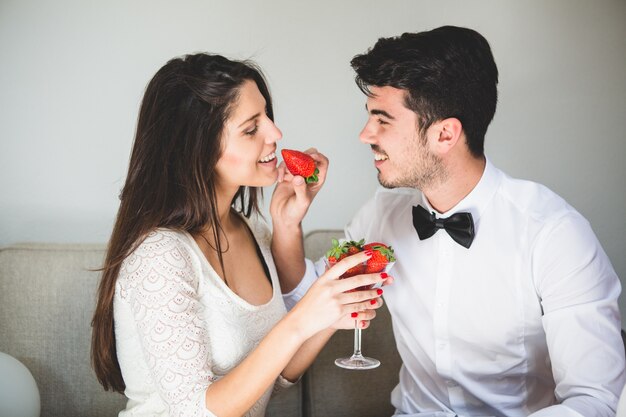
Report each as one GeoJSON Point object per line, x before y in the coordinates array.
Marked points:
{"type": "Point", "coordinates": [47, 294]}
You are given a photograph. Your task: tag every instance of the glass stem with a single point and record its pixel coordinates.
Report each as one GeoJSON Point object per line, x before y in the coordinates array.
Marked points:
{"type": "Point", "coordinates": [357, 339]}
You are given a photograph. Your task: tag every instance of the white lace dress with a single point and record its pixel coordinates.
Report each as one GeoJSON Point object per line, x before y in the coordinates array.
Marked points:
{"type": "Point", "coordinates": [179, 328]}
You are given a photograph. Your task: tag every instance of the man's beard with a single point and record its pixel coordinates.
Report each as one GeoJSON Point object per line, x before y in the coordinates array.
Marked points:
{"type": "Point", "coordinates": [427, 170]}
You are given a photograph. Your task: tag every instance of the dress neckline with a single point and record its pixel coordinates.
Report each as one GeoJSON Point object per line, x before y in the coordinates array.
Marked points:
{"type": "Point", "coordinates": [220, 282]}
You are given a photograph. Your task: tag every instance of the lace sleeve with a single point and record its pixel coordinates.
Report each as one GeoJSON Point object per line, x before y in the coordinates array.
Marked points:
{"type": "Point", "coordinates": [282, 384]}
{"type": "Point", "coordinates": [162, 293]}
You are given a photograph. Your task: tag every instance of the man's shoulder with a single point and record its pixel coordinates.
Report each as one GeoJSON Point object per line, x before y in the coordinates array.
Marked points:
{"type": "Point", "coordinates": [533, 199]}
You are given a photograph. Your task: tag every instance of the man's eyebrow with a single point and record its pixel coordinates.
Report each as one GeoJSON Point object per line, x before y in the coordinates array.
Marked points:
{"type": "Point", "coordinates": [382, 113]}
{"type": "Point", "coordinates": [248, 119]}
{"type": "Point", "coordinates": [377, 112]}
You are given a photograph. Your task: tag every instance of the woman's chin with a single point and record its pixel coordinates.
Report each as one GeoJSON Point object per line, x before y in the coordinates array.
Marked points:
{"type": "Point", "coordinates": [265, 179]}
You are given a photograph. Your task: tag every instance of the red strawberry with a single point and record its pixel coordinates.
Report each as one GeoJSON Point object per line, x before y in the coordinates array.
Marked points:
{"type": "Point", "coordinates": [299, 163]}
{"type": "Point", "coordinates": [354, 247]}
{"type": "Point", "coordinates": [382, 255]}
{"type": "Point", "coordinates": [343, 249]}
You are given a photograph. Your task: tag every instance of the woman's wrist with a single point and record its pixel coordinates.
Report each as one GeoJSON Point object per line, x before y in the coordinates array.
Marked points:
{"type": "Point", "coordinates": [286, 227]}
{"type": "Point", "coordinates": [298, 325]}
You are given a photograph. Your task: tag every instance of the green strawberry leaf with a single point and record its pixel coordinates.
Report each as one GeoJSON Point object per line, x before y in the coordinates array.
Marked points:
{"type": "Point", "coordinates": [313, 177]}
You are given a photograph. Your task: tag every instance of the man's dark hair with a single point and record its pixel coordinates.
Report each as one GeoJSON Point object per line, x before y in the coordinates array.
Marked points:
{"type": "Point", "coordinates": [447, 72]}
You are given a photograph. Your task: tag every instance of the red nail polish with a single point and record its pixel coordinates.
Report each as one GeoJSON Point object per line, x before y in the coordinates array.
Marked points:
{"type": "Point", "coordinates": [354, 315]}
{"type": "Point", "coordinates": [372, 302]}
{"type": "Point", "coordinates": [384, 275]}
{"type": "Point", "coordinates": [379, 291]}
{"type": "Point", "coordinates": [369, 252]}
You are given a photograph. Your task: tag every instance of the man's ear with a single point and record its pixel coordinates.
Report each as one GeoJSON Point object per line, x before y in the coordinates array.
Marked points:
{"type": "Point", "coordinates": [447, 134]}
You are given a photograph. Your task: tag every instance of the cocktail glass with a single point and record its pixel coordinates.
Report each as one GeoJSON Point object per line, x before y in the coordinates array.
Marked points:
{"type": "Point", "coordinates": [357, 361]}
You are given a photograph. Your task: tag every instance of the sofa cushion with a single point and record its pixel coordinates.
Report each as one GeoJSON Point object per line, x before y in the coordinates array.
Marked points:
{"type": "Point", "coordinates": [47, 297]}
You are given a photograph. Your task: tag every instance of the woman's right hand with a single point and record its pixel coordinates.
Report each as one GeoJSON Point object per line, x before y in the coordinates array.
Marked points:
{"type": "Point", "coordinates": [292, 196]}
{"type": "Point", "coordinates": [329, 300]}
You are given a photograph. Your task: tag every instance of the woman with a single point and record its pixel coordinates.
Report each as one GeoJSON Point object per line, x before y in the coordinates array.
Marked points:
{"type": "Point", "coordinates": [189, 319]}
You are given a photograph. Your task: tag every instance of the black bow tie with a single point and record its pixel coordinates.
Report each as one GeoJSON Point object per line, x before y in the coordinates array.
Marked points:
{"type": "Point", "coordinates": [460, 226]}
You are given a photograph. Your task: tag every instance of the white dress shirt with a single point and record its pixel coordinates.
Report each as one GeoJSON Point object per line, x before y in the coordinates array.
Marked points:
{"type": "Point", "coordinates": [179, 327]}
{"type": "Point", "coordinates": [524, 322]}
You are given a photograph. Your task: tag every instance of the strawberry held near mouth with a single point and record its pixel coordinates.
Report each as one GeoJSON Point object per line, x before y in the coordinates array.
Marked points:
{"type": "Point", "coordinates": [300, 163]}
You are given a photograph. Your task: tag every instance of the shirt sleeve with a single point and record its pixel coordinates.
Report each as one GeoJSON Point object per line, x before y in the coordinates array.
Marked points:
{"type": "Point", "coordinates": [578, 289]}
{"type": "Point", "coordinates": [315, 269]}
{"type": "Point", "coordinates": [162, 292]}
{"type": "Point", "coordinates": [311, 273]}
{"type": "Point", "coordinates": [282, 384]}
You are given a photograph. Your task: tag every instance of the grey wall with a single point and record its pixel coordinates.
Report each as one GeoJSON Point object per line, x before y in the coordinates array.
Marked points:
{"type": "Point", "coordinates": [73, 73]}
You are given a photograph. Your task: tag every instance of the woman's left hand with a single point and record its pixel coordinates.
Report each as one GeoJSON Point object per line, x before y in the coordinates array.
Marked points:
{"type": "Point", "coordinates": [293, 196]}
{"type": "Point", "coordinates": [362, 318]}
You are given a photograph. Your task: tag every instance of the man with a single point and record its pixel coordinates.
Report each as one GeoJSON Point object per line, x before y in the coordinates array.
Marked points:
{"type": "Point", "coordinates": [504, 303]}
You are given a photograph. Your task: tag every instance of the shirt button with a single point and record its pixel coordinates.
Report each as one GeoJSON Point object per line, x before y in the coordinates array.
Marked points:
{"type": "Point", "coordinates": [451, 384]}
{"type": "Point", "coordinates": [441, 346]}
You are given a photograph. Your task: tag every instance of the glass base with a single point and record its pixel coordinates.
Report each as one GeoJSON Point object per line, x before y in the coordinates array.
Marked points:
{"type": "Point", "coordinates": [357, 362]}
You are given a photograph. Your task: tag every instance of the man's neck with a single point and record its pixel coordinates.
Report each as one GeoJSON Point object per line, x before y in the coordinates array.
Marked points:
{"type": "Point", "coordinates": [462, 176]}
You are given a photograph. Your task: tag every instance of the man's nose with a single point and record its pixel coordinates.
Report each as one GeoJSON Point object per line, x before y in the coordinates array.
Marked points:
{"type": "Point", "coordinates": [367, 134]}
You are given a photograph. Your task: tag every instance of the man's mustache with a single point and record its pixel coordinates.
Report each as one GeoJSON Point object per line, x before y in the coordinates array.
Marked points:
{"type": "Point", "coordinates": [376, 149]}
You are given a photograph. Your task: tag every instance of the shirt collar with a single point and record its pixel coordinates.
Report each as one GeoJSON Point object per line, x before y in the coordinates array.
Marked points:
{"type": "Point", "coordinates": [476, 201]}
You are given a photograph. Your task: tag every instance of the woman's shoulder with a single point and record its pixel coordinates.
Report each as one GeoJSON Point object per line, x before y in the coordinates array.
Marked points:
{"type": "Point", "coordinates": [162, 242]}
{"type": "Point", "coordinates": [259, 228]}
{"type": "Point", "coordinates": [161, 251]}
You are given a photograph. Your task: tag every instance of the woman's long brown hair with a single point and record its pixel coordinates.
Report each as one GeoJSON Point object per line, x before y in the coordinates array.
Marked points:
{"type": "Point", "coordinates": [171, 175]}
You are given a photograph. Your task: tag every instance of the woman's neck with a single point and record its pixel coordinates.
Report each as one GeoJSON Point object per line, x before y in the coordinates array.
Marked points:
{"type": "Point", "coordinates": [224, 211]}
